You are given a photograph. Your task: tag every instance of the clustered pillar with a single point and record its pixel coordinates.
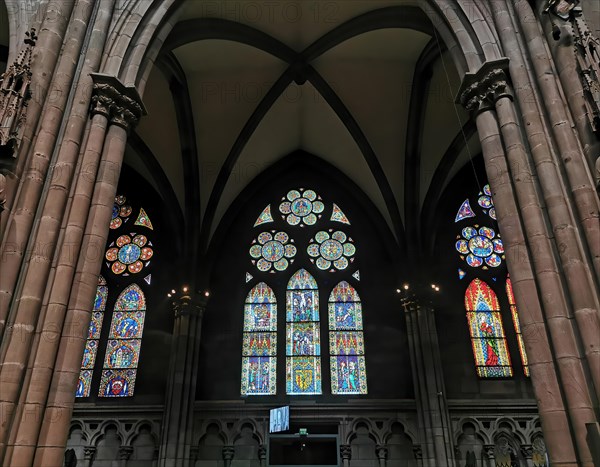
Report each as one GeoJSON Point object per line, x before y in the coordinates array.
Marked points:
{"type": "Point", "coordinates": [545, 267]}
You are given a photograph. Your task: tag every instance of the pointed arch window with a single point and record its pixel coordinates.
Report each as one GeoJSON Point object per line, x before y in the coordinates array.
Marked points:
{"type": "Point", "coordinates": [517, 324]}
{"type": "Point", "coordinates": [303, 342]}
{"type": "Point", "coordinates": [487, 333]}
{"type": "Point", "coordinates": [259, 348]}
{"type": "Point", "coordinates": [124, 342]}
{"type": "Point", "coordinates": [93, 338]}
{"type": "Point", "coordinates": [346, 341]}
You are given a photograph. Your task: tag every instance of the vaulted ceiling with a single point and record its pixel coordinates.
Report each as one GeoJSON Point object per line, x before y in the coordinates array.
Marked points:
{"type": "Point", "coordinates": [364, 85]}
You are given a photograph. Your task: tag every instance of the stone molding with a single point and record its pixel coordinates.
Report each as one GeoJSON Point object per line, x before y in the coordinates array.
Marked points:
{"type": "Point", "coordinates": [345, 451]}
{"type": "Point", "coordinates": [121, 104]}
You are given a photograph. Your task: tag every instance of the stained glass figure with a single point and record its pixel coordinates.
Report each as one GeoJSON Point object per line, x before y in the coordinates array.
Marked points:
{"type": "Point", "coordinates": [346, 341]}
{"type": "Point", "coordinates": [143, 220]}
{"type": "Point", "coordinates": [487, 333]}
{"type": "Point", "coordinates": [117, 383]}
{"type": "Point", "coordinates": [272, 251]}
{"type": "Point", "coordinates": [356, 275]}
{"type": "Point", "coordinates": [517, 324]}
{"type": "Point", "coordinates": [464, 211]}
{"type": "Point", "coordinates": [259, 346]}
{"type": "Point", "coordinates": [91, 345]}
{"type": "Point", "coordinates": [477, 247]}
{"type": "Point", "coordinates": [120, 213]}
{"type": "Point", "coordinates": [129, 253]}
{"type": "Point", "coordinates": [124, 343]}
{"type": "Point", "coordinates": [337, 215]}
{"type": "Point", "coordinates": [301, 207]}
{"type": "Point", "coordinates": [264, 217]}
{"type": "Point", "coordinates": [331, 250]}
{"type": "Point", "coordinates": [303, 341]}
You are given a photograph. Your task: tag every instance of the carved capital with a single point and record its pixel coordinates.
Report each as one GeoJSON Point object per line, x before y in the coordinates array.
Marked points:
{"type": "Point", "coordinates": [194, 453]}
{"type": "Point", "coordinates": [121, 104]}
{"type": "Point", "coordinates": [125, 452]}
{"type": "Point", "coordinates": [382, 451]}
{"type": "Point", "coordinates": [480, 91]}
{"type": "Point", "coordinates": [228, 452]}
{"type": "Point", "coordinates": [185, 306]}
{"type": "Point", "coordinates": [490, 451]}
{"type": "Point", "coordinates": [262, 452]}
{"type": "Point", "coordinates": [345, 451]}
{"type": "Point", "coordinates": [89, 452]}
{"type": "Point", "coordinates": [418, 452]}
{"type": "Point", "coordinates": [527, 451]}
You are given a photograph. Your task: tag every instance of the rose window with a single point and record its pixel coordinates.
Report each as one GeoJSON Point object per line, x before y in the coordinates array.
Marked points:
{"type": "Point", "coordinates": [301, 207]}
{"type": "Point", "coordinates": [479, 246]}
{"type": "Point", "coordinates": [328, 248]}
{"type": "Point", "coordinates": [120, 211]}
{"type": "Point", "coordinates": [486, 202]}
{"type": "Point", "coordinates": [272, 251]}
{"type": "Point", "coordinates": [129, 254]}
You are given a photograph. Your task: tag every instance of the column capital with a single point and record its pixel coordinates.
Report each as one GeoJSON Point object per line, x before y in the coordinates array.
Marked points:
{"type": "Point", "coordinates": [89, 452]}
{"type": "Point", "coordinates": [416, 295]}
{"type": "Point", "coordinates": [490, 451]}
{"type": "Point", "coordinates": [121, 104]}
{"type": "Point", "coordinates": [382, 451]}
{"type": "Point", "coordinates": [479, 91]}
{"type": "Point", "coordinates": [125, 452]}
{"type": "Point", "coordinates": [228, 452]}
{"type": "Point", "coordinates": [527, 451]}
{"type": "Point", "coordinates": [262, 452]}
{"type": "Point", "coordinates": [345, 451]}
{"type": "Point", "coordinates": [194, 453]}
{"type": "Point", "coordinates": [186, 306]}
{"type": "Point", "coordinates": [418, 451]}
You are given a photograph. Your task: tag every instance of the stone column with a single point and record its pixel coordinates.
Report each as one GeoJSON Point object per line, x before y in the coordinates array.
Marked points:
{"type": "Point", "coordinates": [262, 455]}
{"type": "Point", "coordinates": [426, 365]}
{"type": "Point", "coordinates": [382, 454]}
{"type": "Point", "coordinates": [181, 392]}
{"type": "Point", "coordinates": [88, 455]}
{"type": "Point", "coordinates": [579, 270]}
{"type": "Point", "coordinates": [527, 453]}
{"type": "Point", "coordinates": [418, 453]}
{"type": "Point", "coordinates": [228, 452]}
{"type": "Point", "coordinates": [75, 291]}
{"type": "Point", "coordinates": [125, 453]}
{"type": "Point", "coordinates": [346, 454]}
{"type": "Point", "coordinates": [563, 398]}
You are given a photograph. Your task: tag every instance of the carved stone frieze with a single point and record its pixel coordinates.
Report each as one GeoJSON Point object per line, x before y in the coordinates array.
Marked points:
{"type": "Point", "coordinates": [125, 452]}
{"type": "Point", "coordinates": [587, 54]}
{"type": "Point", "coordinates": [121, 104]}
{"type": "Point", "coordinates": [15, 93]}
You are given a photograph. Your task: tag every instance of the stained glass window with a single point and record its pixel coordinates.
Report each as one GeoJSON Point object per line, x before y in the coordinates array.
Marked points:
{"type": "Point", "coordinates": [301, 207]}
{"type": "Point", "coordinates": [464, 211]}
{"type": "Point", "coordinates": [331, 249]}
{"type": "Point", "coordinates": [129, 254]}
{"type": "Point", "coordinates": [337, 215]}
{"type": "Point", "coordinates": [477, 247]}
{"type": "Point", "coordinates": [486, 202]}
{"type": "Point", "coordinates": [487, 333]}
{"type": "Point", "coordinates": [120, 213]}
{"type": "Point", "coordinates": [515, 316]}
{"type": "Point", "coordinates": [124, 342]}
{"type": "Point", "coordinates": [272, 251]}
{"type": "Point", "coordinates": [303, 342]}
{"type": "Point", "coordinates": [346, 341]}
{"type": "Point", "coordinates": [265, 216]}
{"type": "Point", "coordinates": [93, 337]}
{"type": "Point", "coordinates": [259, 346]}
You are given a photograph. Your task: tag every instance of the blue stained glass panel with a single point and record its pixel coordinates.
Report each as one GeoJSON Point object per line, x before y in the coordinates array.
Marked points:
{"type": "Point", "coordinates": [302, 279]}
{"type": "Point", "coordinates": [348, 375]}
{"type": "Point", "coordinates": [127, 325]}
{"type": "Point", "coordinates": [83, 385]}
{"type": "Point", "coordinates": [122, 353]}
{"type": "Point", "coordinates": [259, 344]}
{"type": "Point", "coordinates": [260, 317]}
{"type": "Point", "coordinates": [303, 339]}
{"type": "Point", "coordinates": [345, 316]}
{"type": "Point", "coordinates": [346, 343]}
{"type": "Point", "coordinates": [302, 305]}
{"type": "Point", "coordinates": [258, 375]}
{"type": "Point", "coordinates": [95, 325]}
{"type": "Point", "coordinates": [131, 299]}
